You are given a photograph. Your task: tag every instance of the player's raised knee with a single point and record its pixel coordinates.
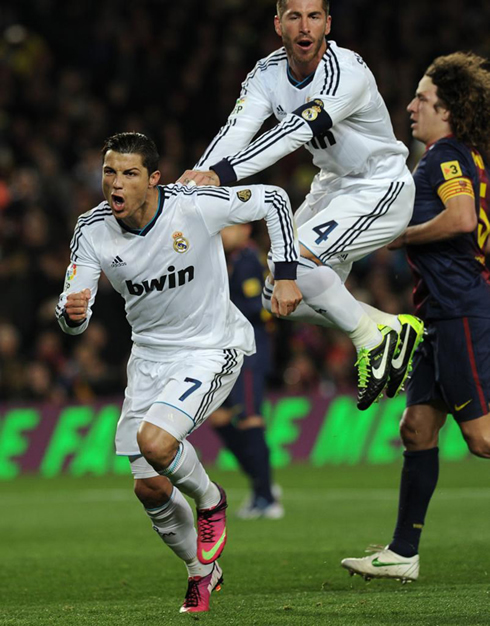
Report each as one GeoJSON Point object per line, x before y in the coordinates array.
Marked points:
{"type": "Point", "coordinates": [156, 445]}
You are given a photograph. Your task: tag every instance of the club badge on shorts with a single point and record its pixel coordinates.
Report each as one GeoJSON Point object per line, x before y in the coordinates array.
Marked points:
{"type": "Point", "coordinates": [180, 242]}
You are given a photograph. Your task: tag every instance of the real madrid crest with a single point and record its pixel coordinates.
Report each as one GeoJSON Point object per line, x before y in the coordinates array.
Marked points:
{"type": "Point", "coordinates": [180, 242]}
{"type": "Point", "coordinates": [244, 195]}
{"type": "Point", "coordinates": [310, 114]}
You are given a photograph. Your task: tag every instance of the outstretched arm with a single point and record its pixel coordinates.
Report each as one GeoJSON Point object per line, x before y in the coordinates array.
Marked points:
{"type": "Point", "coordinates": [240, 205]}
{"type": "Point", "coordinates": [308, 121]}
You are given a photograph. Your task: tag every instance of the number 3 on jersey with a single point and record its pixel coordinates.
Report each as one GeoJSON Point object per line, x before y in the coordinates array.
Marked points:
{"type": "Point", "coordinates": [324, 230]}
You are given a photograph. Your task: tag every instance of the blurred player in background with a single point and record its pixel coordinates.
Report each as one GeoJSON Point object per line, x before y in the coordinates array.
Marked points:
{"type": "Point", "coordinates": [326, 99]}
{"type": "Point", "coordinates": [160, 248]}
{"type": "Point", "coordinates": [445, 245]}
{"type": "Point", "coordinates": [239, 422]}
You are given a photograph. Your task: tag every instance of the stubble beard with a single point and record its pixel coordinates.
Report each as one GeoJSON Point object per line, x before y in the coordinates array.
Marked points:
{"type": "Point", "coordinates": [300, 60]}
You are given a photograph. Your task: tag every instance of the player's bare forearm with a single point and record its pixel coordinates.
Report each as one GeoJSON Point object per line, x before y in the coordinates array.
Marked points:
{"type": "Point", "coordinates": [76, 305]}
{"type": "Point", "coordinates": [458, 218]}
{"type": "Point", "coordinates": [285, 297]}
{"type": "Point", "coordinates": [201, 179]}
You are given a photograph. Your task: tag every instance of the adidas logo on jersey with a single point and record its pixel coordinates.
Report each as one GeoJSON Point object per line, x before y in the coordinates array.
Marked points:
{"type": "Point", "coordinates": [118, 262]}
{"type": "Point", "coordinates": [280, 111]}
{"type": "Point", "coordinates": [172, 280]}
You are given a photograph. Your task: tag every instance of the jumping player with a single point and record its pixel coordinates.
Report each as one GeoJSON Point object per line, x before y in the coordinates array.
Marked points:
{"type": "Point", "coordinates": [326, 99]}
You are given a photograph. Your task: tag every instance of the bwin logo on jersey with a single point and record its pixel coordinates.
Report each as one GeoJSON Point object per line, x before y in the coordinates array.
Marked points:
{"type": "Point", "coordinates": [171, 280]}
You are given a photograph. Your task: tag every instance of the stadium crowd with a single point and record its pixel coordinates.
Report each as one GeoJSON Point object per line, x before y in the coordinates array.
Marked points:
{"type": "Point", "coordinates": [71, 74]}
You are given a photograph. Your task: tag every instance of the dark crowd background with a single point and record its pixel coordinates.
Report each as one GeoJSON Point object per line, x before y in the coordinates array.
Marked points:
{"type": "Point", "coordinates": [73, 73]}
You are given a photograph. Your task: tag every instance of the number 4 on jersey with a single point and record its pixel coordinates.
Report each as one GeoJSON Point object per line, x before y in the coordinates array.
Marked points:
{"type": "Point", "coordinates": [324, 230]}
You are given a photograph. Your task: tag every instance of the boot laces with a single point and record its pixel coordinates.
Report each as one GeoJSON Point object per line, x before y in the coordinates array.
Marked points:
{"type": "Point", "coordinates": [193, 594]}
{"type": "Point", "coordinates": [362, 364]}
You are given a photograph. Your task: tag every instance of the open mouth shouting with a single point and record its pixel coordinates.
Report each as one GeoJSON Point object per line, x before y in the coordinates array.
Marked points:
{"type": "Point", "coordinates": [305, 45]}
{"type": "Point", "coordinates": [118, 203]}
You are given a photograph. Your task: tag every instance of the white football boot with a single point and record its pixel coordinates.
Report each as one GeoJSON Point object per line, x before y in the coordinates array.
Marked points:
{"type": "Point", "coordinates": [384, 564]}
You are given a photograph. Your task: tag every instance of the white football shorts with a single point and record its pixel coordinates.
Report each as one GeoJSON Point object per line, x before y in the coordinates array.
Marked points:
{"type": "Point", "coordinates": [195, 383]}
{"type": "Point", "coordinates": [345, 225]}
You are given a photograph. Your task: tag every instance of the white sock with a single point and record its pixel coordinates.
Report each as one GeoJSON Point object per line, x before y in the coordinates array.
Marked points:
{"type": "Point", "coordinates": [187, 473]}
{"type": "Point", "coordinates": [380, 317]}
{"type": "Point", "coordinates": [305, 313]}
{"type": "Point", "coordinates": [174, 522]}
{"type": "Point", "coordinates": [324, 292]}
{"type": "Point", "coordinates": [367, 334]}
{"type": "Point", "coordinates": [196, 568]}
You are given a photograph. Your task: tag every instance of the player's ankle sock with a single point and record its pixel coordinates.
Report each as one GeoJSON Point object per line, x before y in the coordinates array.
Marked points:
{"type": "Point", "coordinates": [419, 479]}
{"type": "Point", "coordinates": [380, 317]}
{"type": "Point", "coordinates": [196, 568]}
{"type": "Point", "coordinates": [257, 452]}
{"type": "Point", "coordinates": [366, 334]}
{"type": "Point", "coordinates": [187, 473]}
{"type": "Point", "coordinates": [324, 292]}
{"type": "Point", "coordinates": [174, 523]}
{"type": "Point", "coordinates": [232, 438]}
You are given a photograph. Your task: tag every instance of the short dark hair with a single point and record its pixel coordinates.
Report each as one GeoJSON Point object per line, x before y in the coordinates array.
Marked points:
{"type": "Point", "coordinates": [134, 143]}
{"type": "Point", "coordinates": [463, 88]}
{"type": "Point", "coordinates": [281, 7]}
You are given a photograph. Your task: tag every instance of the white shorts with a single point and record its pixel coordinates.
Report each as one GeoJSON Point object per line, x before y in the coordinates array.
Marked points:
{"type": "Point", "coordinates": [187, 385]}
{"type": "Point", "coordinates": [342, 227]}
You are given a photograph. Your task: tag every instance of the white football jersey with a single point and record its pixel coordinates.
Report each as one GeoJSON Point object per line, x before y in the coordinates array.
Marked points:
{"type": "Point", "coordinates": [172, 274]}
{"type": "Point", "coordinates": [359, 147]}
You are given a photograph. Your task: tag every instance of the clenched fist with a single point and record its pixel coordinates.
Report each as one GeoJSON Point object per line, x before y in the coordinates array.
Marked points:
{"type": "Point", "coordinates": [285, 298]}
{"type": "Point", "coordinates": [76, 305]}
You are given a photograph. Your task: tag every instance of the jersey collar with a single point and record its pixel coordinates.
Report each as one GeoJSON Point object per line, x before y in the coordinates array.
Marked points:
{"type": "Point", "coordinates": [300, 84]}
{"type": "Point", "coordinates": [433, 143]}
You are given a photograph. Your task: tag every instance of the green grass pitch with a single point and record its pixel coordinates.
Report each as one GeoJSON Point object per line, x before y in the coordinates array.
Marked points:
{"type": "Point", "coordinates": [81, 551]}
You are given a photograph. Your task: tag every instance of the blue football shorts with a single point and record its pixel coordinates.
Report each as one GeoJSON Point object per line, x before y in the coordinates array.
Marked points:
{"type": "Point", "coordinates": [452, 365]}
